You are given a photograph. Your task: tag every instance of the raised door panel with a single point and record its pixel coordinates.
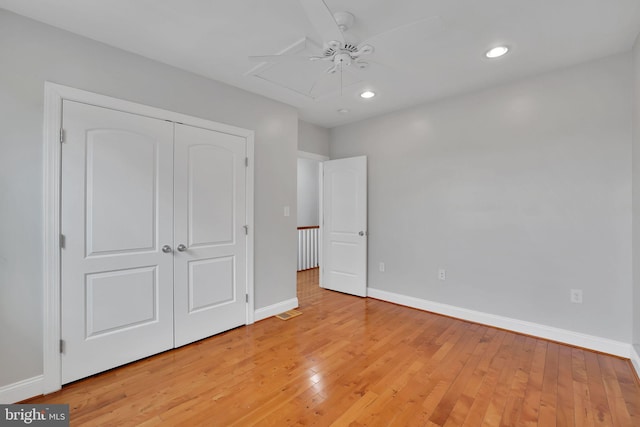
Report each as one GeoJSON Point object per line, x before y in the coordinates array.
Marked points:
{"type": "Point", "coordinates": [108, 312]}
{"type": "Point", "coordinates": [117, 213]}
{"type": "Point", "coordinates": [344, 206]}
{"type": "Point", "coordinates": [121, 197]}
{"type": "Point", "coordinates": [122, 180]}
{"type": "Point", "coordinates": [211, 216]}
{"type": "Point", "coordinates": [211, 283]}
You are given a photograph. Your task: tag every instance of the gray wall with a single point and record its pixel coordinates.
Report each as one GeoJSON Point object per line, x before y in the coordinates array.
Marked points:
{"type": "Point", "coordinates": [308, 192]}
{"type": "Point", "coordinates": [32, 53]}
{"type": "Point", "coordinates": [521, 192]}
{"type": "Point", "coordinates": [636, 196]}
{"type": "Point", "coordinates": [313, 138]}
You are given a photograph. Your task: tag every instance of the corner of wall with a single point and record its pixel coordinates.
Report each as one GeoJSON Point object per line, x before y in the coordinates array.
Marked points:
{"type": "Point", "coordinates": [277, 308]}
{"type": "Point", "coordinates": [313, 138]}
{"type": "Point", "coordinates": [635, 359]}
{"type": "Point", "coordinates": [635, 226]}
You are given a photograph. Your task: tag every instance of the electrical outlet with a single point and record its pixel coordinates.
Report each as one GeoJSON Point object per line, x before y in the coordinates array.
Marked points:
{"type": "Point", "coordinates": [287, 211]}
{"type": "Point", "coordinates": [576, 296]}
{"type": "Point", "coordinates": [442, 274]}
{"type": "Point", "coordinates": [381, 267]}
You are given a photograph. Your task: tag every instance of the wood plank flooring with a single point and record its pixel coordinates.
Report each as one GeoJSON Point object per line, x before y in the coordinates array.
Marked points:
{"type": "Point", "coordinates": [349, 361]}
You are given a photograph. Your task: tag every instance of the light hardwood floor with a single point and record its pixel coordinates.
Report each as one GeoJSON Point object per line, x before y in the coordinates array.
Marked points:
{"type": "Point", "coordinates": [354, 361]}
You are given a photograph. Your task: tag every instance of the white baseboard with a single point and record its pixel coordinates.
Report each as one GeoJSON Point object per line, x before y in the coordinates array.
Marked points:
{"type": "Point", "coordinates": [635, 360]}
{"type": "Point", "coordinates": [578, 339]}
{"type": "Point", "coordinates": [277, 308]}
{"type": "Point", "coordinates": [21, 390]}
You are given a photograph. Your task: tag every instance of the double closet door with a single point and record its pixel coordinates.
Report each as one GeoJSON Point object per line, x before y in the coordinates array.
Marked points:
{"type": "Point", "coordinates": [155, 252]}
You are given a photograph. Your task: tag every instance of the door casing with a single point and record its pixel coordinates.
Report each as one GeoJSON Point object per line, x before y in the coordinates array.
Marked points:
{"type": "Point", "coordinates": [53, 138]}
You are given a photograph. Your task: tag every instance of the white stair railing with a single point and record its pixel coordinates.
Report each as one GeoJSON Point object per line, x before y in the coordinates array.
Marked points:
{"type": "Point", "coordinates": [308, 247]}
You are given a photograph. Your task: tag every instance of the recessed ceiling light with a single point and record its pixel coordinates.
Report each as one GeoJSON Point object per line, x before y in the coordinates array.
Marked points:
{"type": "Point", "coordinates": [343, 110]}
{"type": "Point", "coordinates": [496, 52]}
{"type": "Point", "coordinates": [367, 94]}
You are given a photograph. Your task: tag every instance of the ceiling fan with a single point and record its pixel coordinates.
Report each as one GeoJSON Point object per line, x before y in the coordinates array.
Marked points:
{"type": "Point", "coordinates": [336, 49]}
{"type": "Point", "coordinates": [343, 53]}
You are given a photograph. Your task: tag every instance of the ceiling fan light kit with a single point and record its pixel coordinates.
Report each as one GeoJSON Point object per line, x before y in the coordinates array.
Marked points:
{"type": "Point", "coordinates": [367, 94]}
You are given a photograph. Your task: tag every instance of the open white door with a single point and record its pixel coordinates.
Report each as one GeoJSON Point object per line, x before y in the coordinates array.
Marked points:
{"type": "Point", "coordinates": [344, 228]}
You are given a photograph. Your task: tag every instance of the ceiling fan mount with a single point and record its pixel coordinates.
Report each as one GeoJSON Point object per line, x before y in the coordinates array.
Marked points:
{"type": "Point", "coordinates": [344, 20]}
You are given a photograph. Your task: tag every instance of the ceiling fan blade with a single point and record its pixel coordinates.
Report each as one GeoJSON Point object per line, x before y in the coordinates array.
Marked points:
{"type": "Point", "coordinates": [322, 20]}
{"type": "Point", "coordinates": [410, 31]}
{"type": "Point", "coordinates": [279, 58]}
{"type": "Point", "coordinates": [363, 49]}
{"type": "Point", "coordinates": [393, 71]}
{"type": "Point", "coordinates": [321, 78]}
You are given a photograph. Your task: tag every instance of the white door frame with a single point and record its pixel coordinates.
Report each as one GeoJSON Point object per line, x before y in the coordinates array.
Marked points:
{"type": "Point", "coordinates": [54, 94]}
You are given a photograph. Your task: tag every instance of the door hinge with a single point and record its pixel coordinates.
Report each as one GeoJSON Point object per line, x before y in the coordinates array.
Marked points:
{"type": "Point", "coordinates": [246, 162]}
{"type": "Point", "coordinates": [63, 241]}
{"type": "Point", "coordinates": [246, 297]}
{"type": "Point", "coordinates": [61, 135]}
{"type": "Point", "coordinates": [246, 229]}
{"type": "Point", "coordinates": [61, 346]}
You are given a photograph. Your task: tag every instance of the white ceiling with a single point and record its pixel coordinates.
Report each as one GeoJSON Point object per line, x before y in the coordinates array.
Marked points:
{"type": "Point", "coordinates": [440, 55]}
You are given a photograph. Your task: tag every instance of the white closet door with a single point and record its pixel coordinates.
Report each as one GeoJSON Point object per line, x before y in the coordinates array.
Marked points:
{"type": "Point", "coordinates": [210, 214]}
{"type": "Point", "coordinates": [117, 214]}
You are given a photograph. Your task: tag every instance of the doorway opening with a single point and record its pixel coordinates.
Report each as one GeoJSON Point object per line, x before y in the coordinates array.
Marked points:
{"type": "Point", "coordinates": [309, 220]}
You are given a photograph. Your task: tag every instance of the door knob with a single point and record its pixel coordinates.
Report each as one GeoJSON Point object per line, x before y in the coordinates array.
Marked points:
{"type": "Point", "coordinates": [361, 233]}
{"type": "Point", "coordinates": [181, 248]}
{"type": "Point", "coordinates": [166, 249]}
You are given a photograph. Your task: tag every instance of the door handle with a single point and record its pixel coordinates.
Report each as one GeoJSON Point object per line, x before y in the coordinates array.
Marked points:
{"type": "Point", "coordinates": [362, 233]}
{"type": "Point", "coordinates": [181, 248]}
{"type": "Point", "coordinates": [166, 249]}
